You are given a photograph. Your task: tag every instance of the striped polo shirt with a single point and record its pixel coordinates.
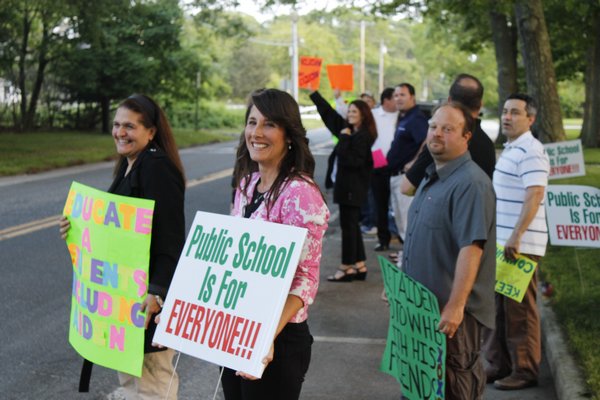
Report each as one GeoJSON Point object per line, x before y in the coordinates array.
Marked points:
{"type": "Point", "coordinates": [522, 164]}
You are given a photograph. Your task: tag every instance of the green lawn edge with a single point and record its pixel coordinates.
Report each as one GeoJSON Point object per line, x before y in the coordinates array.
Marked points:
{"type": "Point", "coordinates": [29, 153]}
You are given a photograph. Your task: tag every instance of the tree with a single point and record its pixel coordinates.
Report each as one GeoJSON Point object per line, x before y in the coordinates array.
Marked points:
{"type": "Point", "coordinates": [248, 69]}
{"type": "Point", "coordinates": [574, 28]}
{"type": "Point", "coordinates": [537, 57]}
{"type": "Point", "coordinates": [590, 132]}
{"type": "Point", "coordinates": [504, 36]}
{"type": "Point", "coordinates": [122, 47]}
{"type": "Point", "coordinates": [30, 34]}
{"type": "Point", "coordinates": [539, 68]}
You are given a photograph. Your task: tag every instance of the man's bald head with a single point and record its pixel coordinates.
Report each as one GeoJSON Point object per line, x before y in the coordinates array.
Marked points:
{"type": "Point", "coordinates": [467, 90]}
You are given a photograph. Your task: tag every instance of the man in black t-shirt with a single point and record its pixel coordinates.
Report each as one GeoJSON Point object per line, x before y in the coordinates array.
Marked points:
{"type": "Point", "coordinates": [467, 90]}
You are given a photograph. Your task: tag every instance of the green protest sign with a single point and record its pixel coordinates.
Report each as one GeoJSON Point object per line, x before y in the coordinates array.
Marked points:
{"type": "Point", "coordinates": [415, 351]}
{"type": "Point", "coordinates": [513, 276]}
{"type": "Point", "coordinates": [109, 243]}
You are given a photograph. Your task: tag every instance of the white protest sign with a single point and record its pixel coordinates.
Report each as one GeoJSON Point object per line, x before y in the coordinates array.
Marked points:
{"type": "Point", "coordinates": [573, 214]}
{"type": "Point", "coordinates": [566, 159]}
{"type": "Point", "coordinates": [229, 289]}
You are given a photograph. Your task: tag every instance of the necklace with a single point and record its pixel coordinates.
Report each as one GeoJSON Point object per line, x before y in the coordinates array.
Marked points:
{"type": "Point", "coordinates": [257, 197]}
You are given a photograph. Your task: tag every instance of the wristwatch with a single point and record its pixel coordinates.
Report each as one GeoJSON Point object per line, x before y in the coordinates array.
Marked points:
{"type": "Point", "coordinates": [159, 300]}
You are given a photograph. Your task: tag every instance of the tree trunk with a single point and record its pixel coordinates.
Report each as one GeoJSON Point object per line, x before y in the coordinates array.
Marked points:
{"type": "Point", "coordinates": [105, 104]}
{"type": "Point", "coordinates": [539, 69]}
{"type": "Point", "coordinates": [505, 44]}
{"type": "Point", "coordinates": [590, 131]}
{"type": "Point", "coordinates": [22, 68]}
{"type": "Point", "coordinates": [29, 121]}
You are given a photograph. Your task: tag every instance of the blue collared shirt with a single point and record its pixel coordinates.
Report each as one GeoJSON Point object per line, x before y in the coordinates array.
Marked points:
{"type": "Point", "coordinates": [410, 134]}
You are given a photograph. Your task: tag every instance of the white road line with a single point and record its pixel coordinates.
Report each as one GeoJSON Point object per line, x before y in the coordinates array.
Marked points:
{"type": "Point", "coordinates": [210, 177]}
{"type": "Point", "coordinates": [28, 227]}
{"type": "Point", "coordinates": [39, 224]}
{"type": "Point", "coordinates": [348, 340]}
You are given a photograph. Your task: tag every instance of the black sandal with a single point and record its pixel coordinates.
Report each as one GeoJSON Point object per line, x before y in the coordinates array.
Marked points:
{"type": "Point", "coordinates": [344, 277]}
{"type": "Point", "coordinates": [361, 273]}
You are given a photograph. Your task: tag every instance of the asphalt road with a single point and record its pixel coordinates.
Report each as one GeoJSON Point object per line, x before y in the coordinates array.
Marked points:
{"type": "Point", "coordinates": [349, 321]}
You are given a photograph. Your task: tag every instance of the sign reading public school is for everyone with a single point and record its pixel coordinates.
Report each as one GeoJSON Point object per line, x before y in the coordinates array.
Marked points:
{"type": "Point", "coordinates": [228, 292]}
{"type": "Point", "coordinates": [573, 214]}
{"type": "Point", "coordinates": [109, 243]}
{"type": "Point", "coordinates": [566, 159]}
{"type": "Point", "coordinates": [415, 351]}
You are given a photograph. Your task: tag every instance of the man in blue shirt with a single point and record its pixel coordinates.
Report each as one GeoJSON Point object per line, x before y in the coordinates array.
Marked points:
{"type": "Point", "coordinates": [410, 134]}
{"type": "Point", "coordinates": [450, 247]}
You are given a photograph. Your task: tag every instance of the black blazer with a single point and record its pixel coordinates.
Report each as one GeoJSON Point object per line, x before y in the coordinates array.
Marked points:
{"type": "Point", "coordinates": [353, 155]}
{"type": "Point", "coordinates": [153, 176]}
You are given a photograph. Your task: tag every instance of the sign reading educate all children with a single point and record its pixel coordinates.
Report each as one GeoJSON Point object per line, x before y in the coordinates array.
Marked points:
{"type": "Point", "coordinates": [229, 289]}
{"type": "Point", "coordinates": [573, 214]}
{"type": "Point", "coordinates": [109, 243]}
{"type": "Point", "coordinates": [415, 351]}
{"type": "Point", "coordinates": [566, 159]}
{"type": "Point", "coordinates": [513, 276]}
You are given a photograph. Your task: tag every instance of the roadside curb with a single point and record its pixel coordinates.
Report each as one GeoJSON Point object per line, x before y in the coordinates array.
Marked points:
{"type": "Point", "coordinates": [568, 377]}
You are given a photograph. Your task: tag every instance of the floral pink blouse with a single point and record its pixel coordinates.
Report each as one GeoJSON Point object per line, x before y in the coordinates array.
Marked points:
{"type": "Point", "coordinates": [299, 204]}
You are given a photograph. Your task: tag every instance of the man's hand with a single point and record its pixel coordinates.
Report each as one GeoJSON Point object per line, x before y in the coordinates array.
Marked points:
{"type": "Point", "coordinates": [450, 319]}
{"type": "Point", "coordinates": [512, 245]}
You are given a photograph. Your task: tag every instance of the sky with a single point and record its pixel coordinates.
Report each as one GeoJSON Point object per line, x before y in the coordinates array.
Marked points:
{"type": "Point", "coordinates": [305, 6]}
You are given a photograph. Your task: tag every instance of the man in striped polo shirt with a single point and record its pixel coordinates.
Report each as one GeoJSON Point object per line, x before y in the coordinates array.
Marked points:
{"type": "Point", "coordinates": [513, 350]}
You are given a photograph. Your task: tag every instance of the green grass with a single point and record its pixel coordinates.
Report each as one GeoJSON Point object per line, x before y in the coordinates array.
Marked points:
{"type": "Point", "coordinates": [572, 121]}
{"type": "Point", "coordinates": [575, 275]}
{"type": "Point", "coordinates": [572, 134]}
{"type": "Point", "coordinates": [312, 123]}
{"type": "Point", "coordinates": [26, 153]}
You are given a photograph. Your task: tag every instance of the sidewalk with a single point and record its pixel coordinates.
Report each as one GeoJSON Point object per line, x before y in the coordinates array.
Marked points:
{"type": "Point", "coordinates": [349, 323]}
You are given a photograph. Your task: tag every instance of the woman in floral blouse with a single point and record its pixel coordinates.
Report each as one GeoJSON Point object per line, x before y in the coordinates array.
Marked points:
{"type": "Point", "coordinates": [274, 181]}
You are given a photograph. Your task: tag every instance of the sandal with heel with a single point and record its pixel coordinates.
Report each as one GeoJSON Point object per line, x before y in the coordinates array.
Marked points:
{"type": "Point", "coordinates": [345, 276]}
{"type": "Point", "coordinates": [361, 273]}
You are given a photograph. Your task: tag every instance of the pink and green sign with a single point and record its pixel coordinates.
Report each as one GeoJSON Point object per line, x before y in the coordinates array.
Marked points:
{"type": "Point", "coordinates": [109, 244]}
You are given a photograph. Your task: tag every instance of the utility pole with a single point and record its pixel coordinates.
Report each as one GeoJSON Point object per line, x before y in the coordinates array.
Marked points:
{"type": "Point", "coordinates": [197, 101]}
{"type": "Point", "coordinates": [382, 52]}
{"type": "Point", "coordinates": [295, 54]}
{"type": "Point", "coordinates": [362, 56]}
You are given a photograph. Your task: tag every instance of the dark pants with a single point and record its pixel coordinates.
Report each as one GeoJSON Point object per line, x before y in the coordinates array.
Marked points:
{"type": "Point", "coordinates": [353, 249]}
{"type": "Point", "coordinates": [368, 212]}
{"type": "Point", "coordinates": [465, 377]}
{"type": "Point", "coordinates": [515, 347]}
{"type": "Point", "coordinates": [283, 377]}
{"type": "Point", "coordinates": [380, 185]}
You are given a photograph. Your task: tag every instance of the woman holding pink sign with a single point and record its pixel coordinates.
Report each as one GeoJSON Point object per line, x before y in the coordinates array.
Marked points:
{"type": "Point", "coordinates": [349, 173]}
{"type": "Point", "coordinates": [274, 181]}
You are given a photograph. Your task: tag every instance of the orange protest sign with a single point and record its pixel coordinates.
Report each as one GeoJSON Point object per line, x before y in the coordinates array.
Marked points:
{"type": "Point", "coordinates": [341, 77]}
{"type": "Point", "coordinates": [309, 73]}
